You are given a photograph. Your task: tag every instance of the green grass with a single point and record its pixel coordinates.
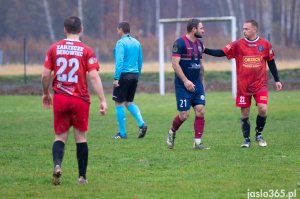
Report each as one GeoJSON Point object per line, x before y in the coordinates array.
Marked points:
{"type": "Point", "coordinates": [145, 168]}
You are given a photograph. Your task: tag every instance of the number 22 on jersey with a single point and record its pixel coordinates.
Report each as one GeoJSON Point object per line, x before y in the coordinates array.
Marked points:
{"type": "Point", "coordinates": [62, 74]}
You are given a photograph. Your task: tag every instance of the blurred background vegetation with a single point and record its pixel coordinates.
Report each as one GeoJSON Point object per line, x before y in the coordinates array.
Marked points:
{"type": "Point", "coordinates": [40, 22]}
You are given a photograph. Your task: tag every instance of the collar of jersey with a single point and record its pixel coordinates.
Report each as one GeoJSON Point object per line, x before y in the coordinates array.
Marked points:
{"type": "Point", "coordinates": [127, 35]}
{"type": "Point", "coordinates": [255, 40]}
{"type": "Point", "coordinates": [72, 40]}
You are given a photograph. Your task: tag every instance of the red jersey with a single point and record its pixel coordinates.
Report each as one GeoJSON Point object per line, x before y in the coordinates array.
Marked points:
{"type": "Point", "coordinates": [71, 60]}
{"type": "Point", "coordinates": [250, 57]}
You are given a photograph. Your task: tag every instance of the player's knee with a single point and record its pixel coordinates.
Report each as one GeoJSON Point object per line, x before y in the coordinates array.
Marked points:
{"type": "Point", "coordinates": [80, 139]}
{"type": "Point", "coordinates": [62, 137]}
{"type": "Point", "coordinates": [262, 110]}
{"type": "Point", "coordinates": [79, 136]}
{"type": "Point", "coordinates": [184, 115]}
{"type": "Point", "coordinates": [199, 111]}
{"type": "Point", "coordinates": [245, 112]}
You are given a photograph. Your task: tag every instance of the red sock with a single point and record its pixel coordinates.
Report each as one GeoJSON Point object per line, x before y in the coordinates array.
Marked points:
{"type": "Point", "coordinates": [176, 123]}
{"type": "Point", "coordinates": [199, 126]}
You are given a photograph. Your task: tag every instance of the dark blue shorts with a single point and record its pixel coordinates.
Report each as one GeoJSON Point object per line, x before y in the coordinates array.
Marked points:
{"type": "Point", "coordinates": [185, 99]}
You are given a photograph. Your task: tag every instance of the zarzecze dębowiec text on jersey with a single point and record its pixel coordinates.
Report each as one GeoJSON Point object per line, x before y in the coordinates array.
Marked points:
{"type": "Point", "coordinates": [71, 60]}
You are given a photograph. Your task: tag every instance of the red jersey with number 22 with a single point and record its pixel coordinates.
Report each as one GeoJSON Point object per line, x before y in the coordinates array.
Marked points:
{"type": "Point", "coordinates": [71, 60]}
{"type": "Point", "coordinates": [250, 57]}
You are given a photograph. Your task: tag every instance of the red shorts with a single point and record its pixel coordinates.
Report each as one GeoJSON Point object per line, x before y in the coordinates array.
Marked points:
{"type": "Point", "coordinates": [70, 111]}
{"type": "Point", "coordinates": [245, 101]}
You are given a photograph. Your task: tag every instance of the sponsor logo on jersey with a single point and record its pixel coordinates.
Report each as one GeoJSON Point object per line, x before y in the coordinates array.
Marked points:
{"type": "Point", "coordinates": [92, 60]}
{"type": "Point", "coordinates": [194, 66]}
{"type": "Point", "coordinates": [271, 52]}
{"type": "Point", "coordinates": [252, 61]}
{"type": "Point", "coordinates": [251, 45]}
{"type": "Point", "coordinates": [263, 98]}
{"type": "Point", "coordinates": [228, 46]}
{"type": "Point", "coordinates": [69, 50]}
{"type": "Point", "coordinates": [175, 49]}
{"type": "Point", "coordinates": [199, 49]}
{"type": "Point", "coordinates": [260, 48]}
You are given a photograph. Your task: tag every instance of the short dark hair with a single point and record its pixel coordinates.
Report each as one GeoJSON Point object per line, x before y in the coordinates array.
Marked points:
{"type": "Point", "coordinates": [73, 25]}
{"type": "Point", "coordinates": [192, 23]}
{"type": "Point", "coordinates": [124, 26]}
{"type": "Point", "coordinates": [252, 22]}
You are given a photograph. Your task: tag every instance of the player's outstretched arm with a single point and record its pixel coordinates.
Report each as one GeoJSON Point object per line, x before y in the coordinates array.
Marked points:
{"type": "Point", "coordinates": [274, 71]}
{"type": "Point", "coordinates": [98, 88]}
{"type": "Point", "coordinates": [214, 52]}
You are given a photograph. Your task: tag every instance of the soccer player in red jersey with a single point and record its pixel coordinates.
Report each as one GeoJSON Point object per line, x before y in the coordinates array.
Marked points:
{"type": "Point", "coordinates": [251, 54]}
{"type": "Point", "coordinates": [71, 61]}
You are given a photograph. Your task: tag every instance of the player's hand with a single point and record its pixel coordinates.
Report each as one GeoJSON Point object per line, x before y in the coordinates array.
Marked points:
{"type": "Point", "coordinates": [278, 86]}
{"type": "Point", "coordinates": [116, 83]}
{"type": "Point", "coordinates": [47, 101]}
{"type": "Point", "coordinates": [189, 85]}
{"type": "Point", "coordinates": [103, 108]}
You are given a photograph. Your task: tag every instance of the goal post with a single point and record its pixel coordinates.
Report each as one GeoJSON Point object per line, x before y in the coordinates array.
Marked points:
{"type": "Point", "coordinates": [231, 19]}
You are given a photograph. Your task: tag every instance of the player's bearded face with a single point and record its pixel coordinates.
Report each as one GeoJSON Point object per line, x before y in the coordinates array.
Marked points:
{"type": "Point", "coordinates": [200, 31]}
{"type": "Point", "coordinates": [198, 35]}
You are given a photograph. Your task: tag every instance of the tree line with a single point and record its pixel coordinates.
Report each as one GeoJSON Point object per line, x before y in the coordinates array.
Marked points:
{"type": "Point", "coordinates": [41, 23]}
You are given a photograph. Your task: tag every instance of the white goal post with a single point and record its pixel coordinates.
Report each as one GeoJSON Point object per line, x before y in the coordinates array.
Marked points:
{"type": "Point", "coordinates": [231, 19]}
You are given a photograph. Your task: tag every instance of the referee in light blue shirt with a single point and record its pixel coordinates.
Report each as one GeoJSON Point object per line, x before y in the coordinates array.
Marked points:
{"type": "Point", "coordinates": [128, 60]}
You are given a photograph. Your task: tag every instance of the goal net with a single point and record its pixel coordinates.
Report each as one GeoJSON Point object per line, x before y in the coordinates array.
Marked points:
{"type": "Point", "coordinates": [163, 22]}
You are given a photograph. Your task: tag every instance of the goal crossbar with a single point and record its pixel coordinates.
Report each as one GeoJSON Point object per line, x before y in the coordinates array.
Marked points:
{"type": "Point", "coordinates": [231, 19]}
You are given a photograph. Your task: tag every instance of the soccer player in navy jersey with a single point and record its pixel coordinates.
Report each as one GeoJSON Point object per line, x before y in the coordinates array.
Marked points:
{"type": "Point", "coordinates": [71, 60]}
{"type": "Point", "coordinates": [189, 82]}
{"type": "Point", "coordinates": [251, 54]}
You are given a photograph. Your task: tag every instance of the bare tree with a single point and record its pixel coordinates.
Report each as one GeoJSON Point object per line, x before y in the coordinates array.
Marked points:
{"type": "Point", "coordinates": [297, 29]}
{"type": "Point", "coordinates": [178, 25]}
{"type": "Point", "coordinates": [157, 16]}
{"type": "Point", "coordinates": [221, 9]}
{"type": "Point", "coordinates": [267, 16]}
{"type": "Point", "coordinates": [282, 22]}
{"type": "Point", "coordinates": [149, 17]}
{"type": "Point", "coordinates": [296, 21]}
{"type": "Point", "coordinates": [230, 7]}
{"type": "Point", "coordinates": [121, 10]}
{"type": "Point", "coordinates": [49, 20]}
{"type": "Point", "coordinates": [288, 20]}
{"type": "Point", "coordinates": [80, 15]}
{"type": "Point", "coordinates": [242, 12]}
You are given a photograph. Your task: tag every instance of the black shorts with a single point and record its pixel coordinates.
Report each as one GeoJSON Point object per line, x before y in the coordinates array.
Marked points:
{"type": "Point", "coordinates": [127, 87]}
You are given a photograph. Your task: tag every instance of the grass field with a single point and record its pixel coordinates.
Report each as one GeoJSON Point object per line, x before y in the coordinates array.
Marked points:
{"type": "Point", "coordinates": [145, 168]}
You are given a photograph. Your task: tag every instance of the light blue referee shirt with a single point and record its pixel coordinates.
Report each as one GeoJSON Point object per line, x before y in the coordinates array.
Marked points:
{"type": "Point", "coordinates": [128, 56]}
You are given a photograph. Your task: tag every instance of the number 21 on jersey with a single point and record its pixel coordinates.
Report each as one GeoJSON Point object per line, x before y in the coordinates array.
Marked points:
{"type": "Point", "coordinates": [64, 76]}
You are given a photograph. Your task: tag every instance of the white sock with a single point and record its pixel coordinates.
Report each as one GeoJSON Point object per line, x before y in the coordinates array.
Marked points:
{"type": "Point", "coordinates": [198, 141]}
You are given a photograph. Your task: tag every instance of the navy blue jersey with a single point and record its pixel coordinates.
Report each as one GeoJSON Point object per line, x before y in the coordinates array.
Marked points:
{"type": "Point", "coordinates": [190, 54]}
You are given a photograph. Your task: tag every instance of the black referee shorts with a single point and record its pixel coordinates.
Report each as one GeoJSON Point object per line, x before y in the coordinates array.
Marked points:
{"type": "Point", "coordinates": [127, 87]}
